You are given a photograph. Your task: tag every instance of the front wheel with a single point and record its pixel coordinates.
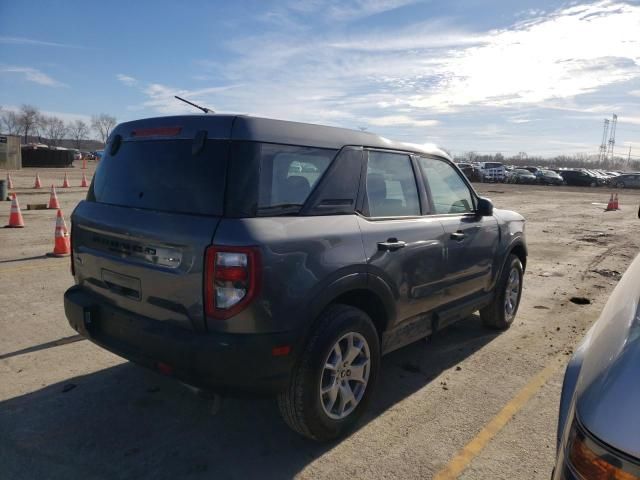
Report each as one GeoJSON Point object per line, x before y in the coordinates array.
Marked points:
{"type": "Point", "coordinates": [333, 381]}
{"type": "Point", "coordinates": [620, 184]}
{"type": "Point", "coordinates": [501, 312]}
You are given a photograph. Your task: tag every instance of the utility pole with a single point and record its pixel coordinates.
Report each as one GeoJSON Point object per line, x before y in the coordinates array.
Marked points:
{"type": "Point", "coordinates": [629, 157]}
{"type": "Point", "coordinates": [603, 143]}
{"type": "Point", "coordinates": [612, 137]}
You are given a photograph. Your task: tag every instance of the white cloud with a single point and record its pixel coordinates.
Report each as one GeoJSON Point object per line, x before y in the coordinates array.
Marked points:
{"type": "Point", "coordinates": [33, 41]}
{"type": "Point", "coordinates": [401, 120]}
{"type": "Point", "coordinates": [126, 79]}
{"type": "Point", "coordinates": [628, 119]}
{"type": "Point", "coordinates": [568, 53]}
{"type": "Point", "coordinates": [335, 10]}
{"type": "Point", "coordinates": [32, 75]}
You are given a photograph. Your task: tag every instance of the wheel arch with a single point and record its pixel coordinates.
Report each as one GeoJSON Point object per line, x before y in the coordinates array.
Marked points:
{"type": "Point", "coordinates": [364, 291]}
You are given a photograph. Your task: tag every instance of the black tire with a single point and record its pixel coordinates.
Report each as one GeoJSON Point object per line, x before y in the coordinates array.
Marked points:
{"type": "Point", "coordinates": [301, 405]}
{"type": "Point", "coordinates": [620, 184]}
{"type": "Point", "coordinates": [495, 315]}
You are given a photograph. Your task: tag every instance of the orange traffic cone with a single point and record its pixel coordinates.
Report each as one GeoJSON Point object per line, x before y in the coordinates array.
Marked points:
{"type": "Point", "coordinates": [84, 181]}
{"type": "Point", "coordinates": [84, 163]}
{"type": "Point", "coordinates": [610, 204]}
{"type": "Point", "coordinates": [15, 217]}
{"type": "Point", "coordinates": [9, 182]}
{"type": "Point", "coordinates": [53, 199]}
{"type": "Point", "coordinates": [615, 203]}
{"type": "Point", "coordinates": [65, 183]}
{"type": "Point", "coordinates": [62, 246]}
{"type": "Point", "coordinates": [37, 184]}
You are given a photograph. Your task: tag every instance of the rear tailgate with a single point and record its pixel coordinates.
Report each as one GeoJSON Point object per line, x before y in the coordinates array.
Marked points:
{"type": "Point", "coordinates": [152, 209]}
{"type": "Point", "coordinates": [146, 262]}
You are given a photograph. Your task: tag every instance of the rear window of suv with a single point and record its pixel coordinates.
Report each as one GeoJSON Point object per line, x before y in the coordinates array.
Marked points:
{"type": "Point", "coordinates": [163, 175]}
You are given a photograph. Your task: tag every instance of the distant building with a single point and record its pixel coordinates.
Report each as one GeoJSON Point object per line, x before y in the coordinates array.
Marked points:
{"type": "Point", "coordinates": [10, 152]}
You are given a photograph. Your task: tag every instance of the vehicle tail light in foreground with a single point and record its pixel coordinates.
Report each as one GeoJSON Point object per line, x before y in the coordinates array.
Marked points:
{"type": "Point", "coordinates": [231, 279]}
{"type": "Point", "coordinates": [592, 460]}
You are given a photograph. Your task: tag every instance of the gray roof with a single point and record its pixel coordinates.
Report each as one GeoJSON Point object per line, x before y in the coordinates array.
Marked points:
{"type": "Point", "coordinates": [244, 127]}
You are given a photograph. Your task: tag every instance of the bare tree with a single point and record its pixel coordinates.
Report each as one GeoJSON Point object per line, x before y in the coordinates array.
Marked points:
{"type": "Point", "coordinates": [53, 129]}
{"type": "Point", "coordinates": [79, 131]}
{"type": "Point", "coordinates": [28, 120]}
{"type": "Point", "coordinates": [471, 156]}
{"type": "Point", "coordinates": [103, 124]}
{"type": "Point", "coordinates": [9, 122]}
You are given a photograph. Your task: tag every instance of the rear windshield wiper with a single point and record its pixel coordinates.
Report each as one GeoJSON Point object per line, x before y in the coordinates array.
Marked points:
{"type": "Point", "coordinates": [280, 209]}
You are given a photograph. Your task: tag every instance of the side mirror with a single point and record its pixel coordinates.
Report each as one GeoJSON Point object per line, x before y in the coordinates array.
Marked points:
{"type": "Point", "coordinates": [485, 207]}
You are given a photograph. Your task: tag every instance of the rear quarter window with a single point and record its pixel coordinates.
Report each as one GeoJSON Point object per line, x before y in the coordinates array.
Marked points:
{"type": "Point", "coordinates": [267, 179]}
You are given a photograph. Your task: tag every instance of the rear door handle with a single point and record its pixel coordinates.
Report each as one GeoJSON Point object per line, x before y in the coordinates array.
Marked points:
{"type": "Point", "coordinates": [457, 236]}
{"type": "Point", "coordinates": [391, 245]}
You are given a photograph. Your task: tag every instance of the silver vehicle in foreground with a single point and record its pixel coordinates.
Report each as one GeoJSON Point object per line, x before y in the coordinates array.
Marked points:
{"type": "Point", "coordinates": [599, 422]}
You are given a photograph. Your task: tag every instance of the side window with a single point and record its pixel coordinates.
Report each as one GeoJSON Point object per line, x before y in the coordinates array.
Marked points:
{"type": "Point", "coordinates": [289, 173]}
{"type": "Point", "coordinates": [449, 192]}
{"type": "Point", "coordinates": [391, 186]}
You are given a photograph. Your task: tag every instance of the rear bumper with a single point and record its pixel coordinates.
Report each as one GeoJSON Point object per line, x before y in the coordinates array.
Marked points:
{"type": "Point", "coordinates": [227, 363]}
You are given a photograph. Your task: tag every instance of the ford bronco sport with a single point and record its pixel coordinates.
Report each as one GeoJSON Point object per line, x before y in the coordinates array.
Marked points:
{"type": "Point", "coordinates": [248, 254]}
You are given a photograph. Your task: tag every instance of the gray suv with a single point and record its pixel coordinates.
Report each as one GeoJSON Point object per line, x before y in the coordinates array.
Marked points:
{"type": "Point", "coordinates": [248, 254]}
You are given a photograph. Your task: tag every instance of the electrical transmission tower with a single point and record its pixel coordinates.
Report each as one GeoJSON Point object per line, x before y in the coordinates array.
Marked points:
{"type": "Point", "coordinates": [603, 144]}
{"type": "Point", "coordinates": [612, 137]}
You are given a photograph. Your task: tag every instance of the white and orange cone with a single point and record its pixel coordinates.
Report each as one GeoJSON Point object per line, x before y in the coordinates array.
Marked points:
{"type": "Point", "coordinates": [53, 198]}
{"type": "Point", "coordinates": [37, 184]}
{"type": "Point", "coordinates": [9, 182]}
{"type": "Point", "coordinates": [615, 203]}
{"type": "Point", "coordinates": [65, 183]}
{"type": "Point", "coordinates": [610, 204]}
{"type": "Point", "coordinates": [62, 245]}
{"type": "Point", "coordinates": [84, 181]}
{"type": "Point", "coordinates": [15, 216]}
{"type": "Point", "coordinates": [84, 163]}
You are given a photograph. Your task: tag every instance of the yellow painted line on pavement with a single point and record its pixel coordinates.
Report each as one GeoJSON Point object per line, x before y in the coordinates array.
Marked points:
{"type": "Point", "coordinates": [40, 266]}
{"type": "Point", "coordinates": [461, 461]}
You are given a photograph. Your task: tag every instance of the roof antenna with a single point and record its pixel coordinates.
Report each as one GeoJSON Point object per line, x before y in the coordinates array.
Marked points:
{"type": "Point", "coordinates": [204, 109]}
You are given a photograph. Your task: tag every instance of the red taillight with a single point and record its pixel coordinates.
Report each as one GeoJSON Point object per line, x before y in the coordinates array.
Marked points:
{"type": "Point", "coordinates": [156, 132]}
{"type": "Point", "coordinates": [231, 279]}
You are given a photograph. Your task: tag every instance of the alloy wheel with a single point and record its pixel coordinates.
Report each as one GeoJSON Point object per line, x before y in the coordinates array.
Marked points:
{"type": "Point", "coordinates": [345, 375]}
{"type": "Point", "coordinates": [512, 294]}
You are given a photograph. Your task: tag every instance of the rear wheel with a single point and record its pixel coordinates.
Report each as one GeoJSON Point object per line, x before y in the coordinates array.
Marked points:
{"type": "Point", "coordinates": [332, 383]}
{"type": "Point", "coordinates": [501, 312]}
{"type": "Point", "coordinates": [620, 184]}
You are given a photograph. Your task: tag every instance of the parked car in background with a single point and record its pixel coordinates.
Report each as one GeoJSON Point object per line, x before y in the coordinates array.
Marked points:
{"type": "Point", "coordinates": [492, 171]}
{"type": "Point", "coordinates": [626, 180]}
{"type": "Point", "coordinates": [549, 177]}
{"type": "Point", "coordinates": [520, 175]}
{"type": "Point", "coordinates": [579, 178]}
{"type": "Point", "coordinates": [253, 273]}
{"type": "Point", "coordinates": [601, 178]}
{"type": "Point", "coordinates": [533, 170]}
{"type": "Point", "coordinates": [98, 154]}
{"type": "Point", "coordinates": [77, 155]}
{"type": "Point", "coordinates": [599, 424]}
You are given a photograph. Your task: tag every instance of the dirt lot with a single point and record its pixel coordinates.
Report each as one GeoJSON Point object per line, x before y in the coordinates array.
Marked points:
{"type": "Point", "coordinates": [71, 410]}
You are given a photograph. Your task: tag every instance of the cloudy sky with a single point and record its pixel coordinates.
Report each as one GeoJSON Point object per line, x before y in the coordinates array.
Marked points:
{"type": "Point", "coordinates": [482, 75]}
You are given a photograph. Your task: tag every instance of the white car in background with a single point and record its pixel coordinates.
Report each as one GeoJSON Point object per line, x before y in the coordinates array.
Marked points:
{"type": "Point", "coordinates": [492, 171]}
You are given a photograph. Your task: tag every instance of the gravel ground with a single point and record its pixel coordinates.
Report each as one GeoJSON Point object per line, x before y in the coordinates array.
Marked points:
{"type": "Point", "coordinates": [69, 409]}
